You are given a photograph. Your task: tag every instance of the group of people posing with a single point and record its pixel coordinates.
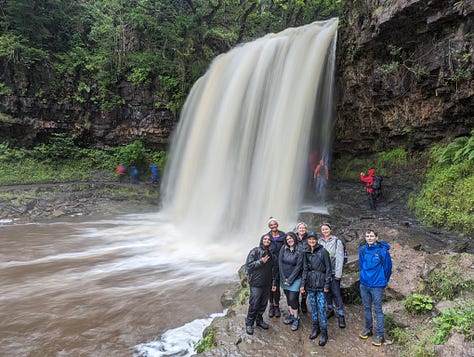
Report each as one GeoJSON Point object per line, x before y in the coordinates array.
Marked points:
{"type": "Point", "coordinates": [307, 267]}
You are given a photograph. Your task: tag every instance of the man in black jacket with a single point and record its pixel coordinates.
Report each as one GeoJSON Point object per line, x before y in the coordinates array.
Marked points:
{"type": "Point", "coordinates": [262, 270]}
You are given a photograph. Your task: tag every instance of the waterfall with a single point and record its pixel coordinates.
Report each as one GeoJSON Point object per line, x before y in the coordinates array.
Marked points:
{"type": "Point", "coordinates": [240, 151]}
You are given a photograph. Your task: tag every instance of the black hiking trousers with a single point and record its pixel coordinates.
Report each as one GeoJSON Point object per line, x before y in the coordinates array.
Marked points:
{"type": "Point", "coordinates": [258, 301]}
{"type": "Point", "coordinates": [371, 197]}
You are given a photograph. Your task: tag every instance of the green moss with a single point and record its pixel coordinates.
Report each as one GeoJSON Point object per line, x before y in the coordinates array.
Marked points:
{"type": "Point", "coordinates": [445, 199]}
{"type": "Point", "coordinates": [207, 342]}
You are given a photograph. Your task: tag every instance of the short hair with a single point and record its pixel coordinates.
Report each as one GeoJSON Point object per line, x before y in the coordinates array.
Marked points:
{"type": "Point", "coordinates": [303, 224]}
{"type": "Point", "coordinates": [370, 230]}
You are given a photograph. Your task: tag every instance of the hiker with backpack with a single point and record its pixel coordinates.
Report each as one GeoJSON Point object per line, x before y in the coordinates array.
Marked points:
{"type": "Point", "coordinates": [375, 266]}
{"type": "Point", "coordinates": [335, 248]}
{"type": "Point", "coordinates": [369, 181]}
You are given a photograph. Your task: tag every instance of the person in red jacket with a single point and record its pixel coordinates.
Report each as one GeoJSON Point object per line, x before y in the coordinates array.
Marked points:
{"type": "Point", "coordinates": [369, 180]}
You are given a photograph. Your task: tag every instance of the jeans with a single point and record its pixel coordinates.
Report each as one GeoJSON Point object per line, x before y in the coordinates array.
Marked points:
{"type": "Point", "coordinates": [335, 296]}
{"type": "Point", "coordinates": [318, 307]}
{"type": "Point", "coordinates": [373, 296]}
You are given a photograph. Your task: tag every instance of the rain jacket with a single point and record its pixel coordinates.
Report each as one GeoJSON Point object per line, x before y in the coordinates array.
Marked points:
{"type": "Point", "coordinates": [290, 264]}
{"type": "Point", "coordinates": [369, 180]}
{"type": "Point", "coordinates": [335, 249]}
{"type": "Point", "coordinates": [261, 274]}
{"type": "Point", "coordinates": [316, 269]}
{"type": "Point", "coordinates": [375, 264]}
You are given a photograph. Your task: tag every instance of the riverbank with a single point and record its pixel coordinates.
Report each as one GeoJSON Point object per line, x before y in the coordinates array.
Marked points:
{"type": "Point", "coordinates": [49, 201]}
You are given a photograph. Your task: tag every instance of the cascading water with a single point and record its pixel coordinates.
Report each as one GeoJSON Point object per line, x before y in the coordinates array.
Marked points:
{"type": "Point", "coordinates": [240, 153]}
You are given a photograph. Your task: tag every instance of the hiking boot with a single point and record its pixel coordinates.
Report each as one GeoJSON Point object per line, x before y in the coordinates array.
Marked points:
{"type": "Point", "coordinates": [329, 313]}
{"type": "Point", "coordinates": [324, 337]}
{"type": "Point", "coordinates": [249, 329]}
{"type": "Point", "coordinates": [271, 311]}
{"type": "Point", "coordinates": [315, 331]}
{"type": "Point", "coordinates": [366, 333]}
{"type": "Point", "coordinates": [277, 311]}
{"type": "Point", "coordinates": [296, 323]}
{"type": "Point", "coordinates": [342, 321]}
{"type": "Point", "coordinates": [262, 324]}
{"type": "Point", "coordinates": [378, 341]}
{"type": "Point", "coordinates": [288, 320]}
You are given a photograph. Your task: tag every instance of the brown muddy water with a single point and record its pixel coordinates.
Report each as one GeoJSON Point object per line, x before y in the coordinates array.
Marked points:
{"type": "Point", "coordinates": [109, 287]}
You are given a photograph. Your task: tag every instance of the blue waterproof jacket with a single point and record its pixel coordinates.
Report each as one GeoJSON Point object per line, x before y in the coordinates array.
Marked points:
{"type": "Point", "coordinates": [375, 264]}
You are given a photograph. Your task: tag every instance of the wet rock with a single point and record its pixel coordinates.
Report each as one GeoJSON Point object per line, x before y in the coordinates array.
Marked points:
{"type": "Point", "coordinates": [457, 345]}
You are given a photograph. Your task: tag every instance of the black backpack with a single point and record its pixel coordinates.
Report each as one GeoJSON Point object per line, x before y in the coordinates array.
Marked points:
{"type": "Point", "coordinates": [377, 185]}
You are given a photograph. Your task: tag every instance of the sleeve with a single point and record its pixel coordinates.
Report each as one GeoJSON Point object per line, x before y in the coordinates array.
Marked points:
{"type": "Point", "coordinates": [339, 258]}
{"type": "Point", "coordinates": [253, 261]}
{"type": "Point", "coordinates": [305, 270]}
{"type": "Point", "coordinates": [327, 263]}
{"type": "Point", "coordinates": [387, 265]}
{"type": "Point", "coordinates": [280, 260]}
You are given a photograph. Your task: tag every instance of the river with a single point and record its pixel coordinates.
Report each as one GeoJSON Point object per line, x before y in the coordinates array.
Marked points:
{"type": "Point", "coordinates": [106, 287]}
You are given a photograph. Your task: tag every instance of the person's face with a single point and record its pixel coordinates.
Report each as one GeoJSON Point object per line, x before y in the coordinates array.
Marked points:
{"type": "Point", "coordinates": [273, 225]}
{"type": "Point", "coordinates": [301, 229]}
{"type": "Point", "coordinates": [370, 238]}
{"type": "Point", "coordinates": [325, 230]}
{"type": "Point", "coordinates": [290, 241]}
{"type": "Point", "coordinates": [312, 242]}
{"type": "Point", "coordinates": [266, 241]}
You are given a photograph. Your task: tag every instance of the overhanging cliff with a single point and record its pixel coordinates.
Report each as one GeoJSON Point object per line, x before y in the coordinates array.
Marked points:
{"type": "Point", "coordinates": [405, 74]}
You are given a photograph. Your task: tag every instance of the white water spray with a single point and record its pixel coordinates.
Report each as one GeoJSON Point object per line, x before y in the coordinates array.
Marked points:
{"type": "Point", "coordinates": [240, 152]}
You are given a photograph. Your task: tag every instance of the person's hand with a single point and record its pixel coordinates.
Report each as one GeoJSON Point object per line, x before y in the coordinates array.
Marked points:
{"type": "Point", "coordinates": [265, 258]}
{"type": "Point", "coordinates": [326, 290]}
{"type": "Point", "coordinates": [302, 290]}
{"type": "Point", "coordinates": [337, 278]}
{"type": "Point", "coordinates": [274, 288]}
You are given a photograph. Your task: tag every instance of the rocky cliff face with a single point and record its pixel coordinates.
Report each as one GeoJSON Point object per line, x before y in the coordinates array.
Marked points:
{"type": "Point", "coordinates": [41, 103]}
{"type": "Point", "coordinates": [404, 78]}
{"type": "Point", "coordinates": [404, 74]}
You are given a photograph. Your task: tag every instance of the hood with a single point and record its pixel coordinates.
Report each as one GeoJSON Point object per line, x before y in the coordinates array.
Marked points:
{"type": "Point", "coordinates": [371, 172]}
{"type": "Point", "coordinates": [261, 242]}
{"type": "Point", "coordinates": [384, 244]}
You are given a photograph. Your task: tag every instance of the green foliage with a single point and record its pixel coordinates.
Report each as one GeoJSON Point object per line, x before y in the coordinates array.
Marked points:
{"type": "Point", "coordinates": [384, 162]}
{"type": "Point", "coordinates": [207, 342]}
{"type": "Point", "coordinates": [446, 197]}
{"type": "Point", "coordinates": [459, 318]}
{"type": "Point", "coordinates": [93, 46]}
{"type": "Point", "coordinates": [389, 68]}
{"type": "Point", "coordinates": [62, 160]}
{"type": "Point", "coordinates": [448, 281]}
{"type": "Point", "coordinates": [418, 303]}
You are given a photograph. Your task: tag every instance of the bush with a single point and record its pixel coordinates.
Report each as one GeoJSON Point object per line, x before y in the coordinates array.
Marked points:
{"type": "Point", "coordinates": [460, 318]}
{"type": "Point", "coordinates": [418, 304]}
{"type": "Point", "coordinates": [445, 200]}
{"type": "Point", "coordinates": [448, 282]}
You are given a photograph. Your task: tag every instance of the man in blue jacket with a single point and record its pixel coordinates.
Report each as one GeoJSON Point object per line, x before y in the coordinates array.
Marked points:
{"type": "Point", "coordinates": [375, 266]}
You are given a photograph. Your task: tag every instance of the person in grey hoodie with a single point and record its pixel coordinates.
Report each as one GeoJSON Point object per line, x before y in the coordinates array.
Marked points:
{"type": "Point", "coordinates": [335, 248]}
